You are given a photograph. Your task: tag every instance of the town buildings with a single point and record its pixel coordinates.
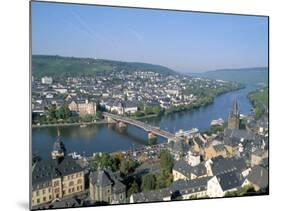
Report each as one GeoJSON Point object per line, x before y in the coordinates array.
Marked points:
{"type": "Point", "coordinates": [56, 178]}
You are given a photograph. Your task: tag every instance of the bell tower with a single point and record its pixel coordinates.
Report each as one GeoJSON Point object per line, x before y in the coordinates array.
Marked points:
{"type": "Point", "coordinates": [234, 116]}
{"type": "Point", "coordinates": [58, 147]}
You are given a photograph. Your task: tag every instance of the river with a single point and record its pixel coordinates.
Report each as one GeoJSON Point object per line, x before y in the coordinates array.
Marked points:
{"type": "Point", "coordinates": [108, 138]}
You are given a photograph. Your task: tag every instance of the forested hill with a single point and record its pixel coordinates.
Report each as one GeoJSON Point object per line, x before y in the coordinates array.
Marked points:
{"type": "Point", "coordinates": [43, 65]}
{"type": "Point", "coordinates": [243, 75]}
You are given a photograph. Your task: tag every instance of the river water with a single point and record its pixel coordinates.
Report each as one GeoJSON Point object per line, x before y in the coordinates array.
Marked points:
{"type": "Point", "coordinates": [108, 138]}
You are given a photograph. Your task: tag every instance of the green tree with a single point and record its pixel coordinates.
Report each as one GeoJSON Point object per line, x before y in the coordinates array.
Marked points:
{"type": "Point", "coordinates": [62, 113]}
{"type": "Point", "coordinates": [128, 166]}
{"type": "Point", "coordinates": [133, 189]}
{"type": "Point", "coordinates": [148, 182]}
{"type": "Point", "coordinates": [166, 161]}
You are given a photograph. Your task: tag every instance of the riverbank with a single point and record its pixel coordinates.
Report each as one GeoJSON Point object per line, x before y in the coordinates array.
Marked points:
{"type": "Point", "coordinates": [70, 124]}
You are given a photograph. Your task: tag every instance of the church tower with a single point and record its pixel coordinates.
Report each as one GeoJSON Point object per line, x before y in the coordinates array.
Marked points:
{"type": "Point", "coordinates": [234, 116]}
{"type": "Point", "coordinates": [58, 148]}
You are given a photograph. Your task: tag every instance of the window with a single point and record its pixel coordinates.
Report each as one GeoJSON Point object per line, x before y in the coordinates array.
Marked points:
{"type": "Point", "coordinates": [38, 201]}
{"type": "Point", "coordinates": [73, 190]}
{"type": "Point", "coordinates": [57, 190]}
{"type": "Point", "coordinates": [71, 183]}
{"type": "Point", "coordinates": [49, 190]}
{"type": "Point", "coordinates": [37, 193]}
{"type": "Point", "coordinates": [78, 188]}
{"type": "Point", "coordinates": [43, 191]}
{"type": "Point", "coordinates": [79, 181]}
{"type": "Point", "coordinates": [69, 190]}
{"type": "Point", "coordinates": [44, 198]}
{"type": "Point", "coordinates": [50, 197]}
{"type": "Point", "coordinates": [56, 183]}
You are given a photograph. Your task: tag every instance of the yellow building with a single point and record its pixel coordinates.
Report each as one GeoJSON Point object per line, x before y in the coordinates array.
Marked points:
{"type": "Point", "coordinates": [56, 178]}
{"type": "Point", "coordinates": [83, 107]}
{"type": "Point", "coordinates": [215, 150]}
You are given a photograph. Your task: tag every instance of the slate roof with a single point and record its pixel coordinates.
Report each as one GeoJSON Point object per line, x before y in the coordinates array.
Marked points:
{"type": "Point", "coordinates": [222, 165]}
{"type": "Point", "coordinates": [155, 195]}
{"type": "Point", "coordinates": [190, 186]}
{"type": "Point", "coordinates": [238, 134]}
{"type": "Point", "coordinates": [258, 176]}
{"type": "Point", "coordinates": [105, 178]}
{"type": "Point", "coordinates": [219, 147]}
{"type": "Point", "coordinates": [199, 170]}
{"type": "Point", "coordinates": [46, 170]}
{"type": "Point", "coordinates": [183, 167]}
{"type": "Point", "coordinates": [230, 180]}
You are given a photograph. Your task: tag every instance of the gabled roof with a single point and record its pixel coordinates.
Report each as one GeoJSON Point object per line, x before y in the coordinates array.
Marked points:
{"type": "Point", "coordinates": [258, 176]}
{"type": "Point", "coordinates": [155, 195]}
{"type": "Point", "coordinates": [105, 178]}
{"type": "Point", "coordinates": [101, 178]}
{"type": "Point", "coordinates": [46, 170]}
{"type": "Point", "coordinates": [189, 186]}
{"type": "Point", "coordinates": [222, 165]}
{"type": "Point", "coordinates": [230, 180]}
{"type": "Point", "coordinates": [183, 167]}
{"type": "Point", "coordinates": [199, 170]}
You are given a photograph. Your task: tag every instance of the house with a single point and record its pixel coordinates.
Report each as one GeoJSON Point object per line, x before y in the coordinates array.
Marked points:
{"type": "Point", "coordinates": [130, 107]}
{"type": "Point", "coordinates": [258, 178]}
{"type": "Point", "coordinates": [219, 165]}
{"type": "Point", "coordinates": [47, 80]}
{"type": "Point", "coordinates": [187, 189]}
{"type": "Point", "coordinates": [182, 170]}
{"type": "Point", "coordinates": [117, 107]}
{"type": "Point", "coordinates": [215, 150]}
{"type": "Point", "coordinates": [106, 186]}
{"type": "Point", "coordinates": [164, 194]}
{"type": "Point", "coordinates": [222, 183]}
{"type": "Point", "coordinates": [258, 156]}
{"type": "Point", "coordinates": [178, 148]}
{"type": "Point", "coordinates": [198, 144]}
{"type": "Point", "coordinates": [232, 138]}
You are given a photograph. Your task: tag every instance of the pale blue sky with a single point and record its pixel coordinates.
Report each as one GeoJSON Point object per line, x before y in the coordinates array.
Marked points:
{"type": "Point", "coordinates": [183, 41]}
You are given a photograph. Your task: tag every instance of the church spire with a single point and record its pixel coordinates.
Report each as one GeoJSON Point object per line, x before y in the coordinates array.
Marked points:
{"type": "Point", "coordinates": [235, 109]}
{"type": "Point", "coordinates": [234, 116]}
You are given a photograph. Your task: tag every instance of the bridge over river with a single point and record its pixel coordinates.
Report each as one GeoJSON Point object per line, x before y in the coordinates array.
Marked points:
{"type": "Point", "coordinates": [151, 130]}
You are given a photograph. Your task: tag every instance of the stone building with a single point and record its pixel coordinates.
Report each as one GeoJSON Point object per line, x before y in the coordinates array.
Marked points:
{"type": "Point", "coordinates": [234, 116]}
{"type": "Point", "coordinates": [55, 178]}
{"type": "Point", "coordinates": [83, 107]}
{"type": "Point", "coordinates": [106, 186]}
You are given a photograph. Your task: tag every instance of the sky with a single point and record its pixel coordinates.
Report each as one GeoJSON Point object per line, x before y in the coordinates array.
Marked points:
{"type": "Point", "coordinates": [182, 41]}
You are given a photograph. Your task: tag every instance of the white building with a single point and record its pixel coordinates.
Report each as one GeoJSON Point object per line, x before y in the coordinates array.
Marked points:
{"type": "Point", "coordinates": [47, 80]}
{"type": "Point", "coordinates": [220, 184]}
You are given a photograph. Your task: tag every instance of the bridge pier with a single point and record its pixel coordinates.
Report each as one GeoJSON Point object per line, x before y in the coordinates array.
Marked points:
{"type": "Point", "coordinates": [110, 120]}
{"type": "Point", "coordinates": [151, 135]}
{"type": "Point", "coordinates": [121, 124]}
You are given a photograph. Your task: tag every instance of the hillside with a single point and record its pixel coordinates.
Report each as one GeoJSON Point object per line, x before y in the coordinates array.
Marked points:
{"type": "Point", "coordinates": [243, 75]}
{"type": "Point", "coordinates": [58, 66]}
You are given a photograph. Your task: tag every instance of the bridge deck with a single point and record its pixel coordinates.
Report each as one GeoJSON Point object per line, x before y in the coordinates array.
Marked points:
{"type": "Point", "coordinates": [142, 125]}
